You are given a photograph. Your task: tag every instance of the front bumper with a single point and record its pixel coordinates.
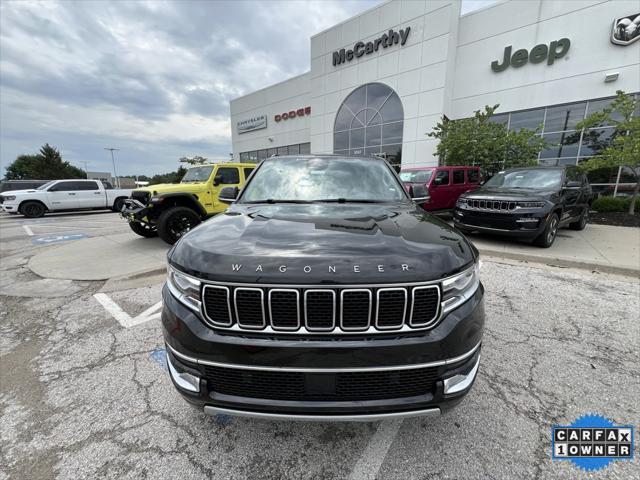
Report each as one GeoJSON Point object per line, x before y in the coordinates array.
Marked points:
{"type": "Point", "coordinates": [526, 225]}
{"type": "Point", "coordinates": [9, 207]}
{"type": "Point", "coordinates": [135, 211]}
{"type": "Point", "coordinates": [217, 366]}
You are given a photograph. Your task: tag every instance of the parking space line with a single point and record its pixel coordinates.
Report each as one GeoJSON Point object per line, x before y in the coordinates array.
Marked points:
{"type": "Point", "coordinates": [28, 230]}
{"type": "Point", "coordinates": [369, 463]}
{"type": "Point", "coordinates": [123, 317]}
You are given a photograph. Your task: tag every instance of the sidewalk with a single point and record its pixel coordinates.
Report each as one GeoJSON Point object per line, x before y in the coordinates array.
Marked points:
{"type": "Point", "coordinates": [598, 247]}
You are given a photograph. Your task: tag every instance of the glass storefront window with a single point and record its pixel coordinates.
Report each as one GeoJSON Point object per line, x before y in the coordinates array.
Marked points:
{"type": "Point", "coordinates": [370, 121]}
{"type": "Point", "coordinates": [244, 157]}
{"type": "Point", "coordinates": [305, 148]}
{"type": "Point", "coordinates": [595, 140]}
{"type": "Point", "coordinates": [563, 144]}
{"type": "Point", "coordinates": [564, 117]}
{"type": "Point", "coordinates": [294, 149]}
{"type": "Point", "coordinates": [253, 157]}
{"type": "Point", "coordinates": [502, 118]}
{"type": "Point", "coordinates": [262, 154]}
{"type": "Point", "coordinates": [530, 119]}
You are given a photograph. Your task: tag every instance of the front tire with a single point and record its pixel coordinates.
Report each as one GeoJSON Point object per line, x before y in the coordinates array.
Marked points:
{"type": "Point", "coordinates": [175, 222]}
{"type": "Point", "coordinates": [548, 236]}
{"type": "Point", "coordinates": [32, 209]}
{"type": "Point", "coordinates": [582, 223]}
{"type": "Point", "coordinates": [143, 230]}
{"type": "Point", "coordinates": [118, 204]}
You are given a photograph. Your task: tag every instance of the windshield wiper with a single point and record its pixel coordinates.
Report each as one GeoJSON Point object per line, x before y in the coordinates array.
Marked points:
{"type": "Point", "coordinates": [348, 200]}
{"type": "Point", "coordinates": [271, 200]}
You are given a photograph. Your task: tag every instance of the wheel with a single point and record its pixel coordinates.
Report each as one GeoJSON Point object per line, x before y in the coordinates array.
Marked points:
{"type": "Point", "coordinates": [175, 222]}
{"type": "Point", "coordinates": [580, 224]}
{"type": "Point", "coordinates": [32, 209]}
{"type": "Point", "coordinates": [118, 204]}
{"type": "Point", "coordinates": [548, 236]}
{"type": "Point", "coordinates": [143, 229]}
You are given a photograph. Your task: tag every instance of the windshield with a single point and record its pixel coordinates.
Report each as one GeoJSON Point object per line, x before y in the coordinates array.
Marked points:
{"type": "Point", "coordinates": [538, 179]}
{"type": "Point", "coordinates": [45, 186]}
{"type": "Point", "coordinates": [416, 176]}
{"type": "Point", "coordinates": [323, 179]}
{"type": "Point", "coordinates": [197, 174]}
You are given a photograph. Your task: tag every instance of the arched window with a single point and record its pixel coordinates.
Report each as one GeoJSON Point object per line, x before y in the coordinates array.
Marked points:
{"type": "Point", "coordinates": [370, 122]}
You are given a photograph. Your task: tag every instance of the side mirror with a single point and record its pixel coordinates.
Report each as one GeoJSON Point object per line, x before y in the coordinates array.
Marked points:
{"type": "Point", "coordinates": [217, 180]}
{"type": "Point", "coordinates": [573, 185]}
{"type": "Point", "coordinates": [419, 193]}
{"type": "Point", "coordinates": [228, 194]}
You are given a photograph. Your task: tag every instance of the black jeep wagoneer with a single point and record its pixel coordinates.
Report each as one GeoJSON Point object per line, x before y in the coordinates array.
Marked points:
{"type": "Point", "coordinates": [323, 293]}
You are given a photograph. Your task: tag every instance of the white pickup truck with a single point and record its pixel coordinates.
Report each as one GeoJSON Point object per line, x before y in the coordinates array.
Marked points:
{"type": "Point", "coordinates": [63, 195]}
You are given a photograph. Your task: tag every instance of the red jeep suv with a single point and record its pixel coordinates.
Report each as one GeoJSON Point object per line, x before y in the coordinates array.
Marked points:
{"type": "Point", "coordinates": [444, 184]}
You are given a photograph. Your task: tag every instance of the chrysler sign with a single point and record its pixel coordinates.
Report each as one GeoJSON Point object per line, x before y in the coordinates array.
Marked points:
{"type": "Point", "coordinates": [361, 48]}
{"type": "Point", "coordinates": [250, 124]}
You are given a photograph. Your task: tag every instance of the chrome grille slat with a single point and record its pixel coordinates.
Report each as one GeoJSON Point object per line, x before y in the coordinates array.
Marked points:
{"type": "Point", "coordinates": [213, 296]}
{"type": "Point", "coordinates": [247, 301]}
{"type": "Point", "coordinates": [388, 301]}
{"type": "Point", "coordinates": [350, 297]}
{"type": "Point", "coordinates": [315, 319]}
{"type": "Point", "coordinates": [280, 312]}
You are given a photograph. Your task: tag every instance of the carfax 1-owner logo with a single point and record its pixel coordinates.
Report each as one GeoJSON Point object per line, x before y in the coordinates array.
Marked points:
{"type": "Point", "coordinates": [592, 442]}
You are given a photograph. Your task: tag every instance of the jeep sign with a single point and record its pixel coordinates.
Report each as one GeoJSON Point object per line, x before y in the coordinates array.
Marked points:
{"type": "Point", "coordinates": [538, 54]}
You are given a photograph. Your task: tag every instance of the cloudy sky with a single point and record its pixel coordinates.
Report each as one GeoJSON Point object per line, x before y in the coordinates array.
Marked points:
{"type": "Point", "coordinates": [151, 78]}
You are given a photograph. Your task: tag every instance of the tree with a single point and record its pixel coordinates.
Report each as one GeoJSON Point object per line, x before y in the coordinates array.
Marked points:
{"type": "Point", "coordinates": [195, 160]}
{"type": "Point", "coordinates": [482, 142]}
{"type": "Point", "coordinates": [171, 177]}
{"type": "Point", "coordinates": [622, 149]}
{"type": "Point", "coordinates": [46, 165]}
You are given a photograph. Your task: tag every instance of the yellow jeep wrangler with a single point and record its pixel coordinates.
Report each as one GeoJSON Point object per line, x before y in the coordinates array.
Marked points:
{"type": "Point", "coordinates": [170, 210]}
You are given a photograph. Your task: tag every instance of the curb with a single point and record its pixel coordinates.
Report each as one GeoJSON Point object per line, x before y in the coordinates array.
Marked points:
{"type": "Point", "coordinates": [564, 263]}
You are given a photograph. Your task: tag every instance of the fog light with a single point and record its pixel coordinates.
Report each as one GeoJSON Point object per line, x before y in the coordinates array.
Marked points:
{"type": "Point", "coordinates": [527, 220]}
{"type": "Point", "coordinates": [459, 382]}
{"type": "Point", "coordinates": [183, 379]}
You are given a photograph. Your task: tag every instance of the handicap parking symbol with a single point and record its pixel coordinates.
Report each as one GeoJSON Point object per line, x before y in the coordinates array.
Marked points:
{"type": "Point", "coordinates": [58, 238]}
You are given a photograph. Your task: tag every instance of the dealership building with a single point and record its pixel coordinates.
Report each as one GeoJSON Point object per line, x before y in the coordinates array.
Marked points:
{"type": "Point", "coordinates": [380, 81]}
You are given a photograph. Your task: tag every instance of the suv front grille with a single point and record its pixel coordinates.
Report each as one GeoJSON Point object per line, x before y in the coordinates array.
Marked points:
{"type": "Point", "coordinates": [338, 386]}
{"type": "Point", "coordinates": [141, 196]}
{"type": "Point", "coordinates": [321, 310]}
{"type": "Point", "coordinates": [492, 205]}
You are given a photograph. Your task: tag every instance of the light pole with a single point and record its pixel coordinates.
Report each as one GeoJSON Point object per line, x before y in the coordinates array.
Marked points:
{"type": "Point", "coordinates": [86, 170]}
{"type": "Point", "coordinates": [114, 164]}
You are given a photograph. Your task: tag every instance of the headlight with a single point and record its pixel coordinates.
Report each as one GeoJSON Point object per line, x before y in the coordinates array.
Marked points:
{"type": "Point", "coordinates": [461, 201]}
{"type": "Point", "coordinates": [9, 197]}
{"type": "Point", "coordinates": [530, 204]}
{"type": "Point", "coordinates": [458, 289]}
{"type": "Point", "coordinates": [186, 289]}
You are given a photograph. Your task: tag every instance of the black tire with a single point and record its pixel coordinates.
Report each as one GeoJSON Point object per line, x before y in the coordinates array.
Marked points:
{"type": "Point", "coordinates": [548, 236]}
{"type": "Point", "coordinates": [582, 222]}
{"type": "Point", "coordinates": [143, 229]}
{"type": "Point", "coordinates": [118, 204]}
{"type": "Point", "coordinates": [175, 222]}
{"type": "Point", "coordinates": [32, 209]}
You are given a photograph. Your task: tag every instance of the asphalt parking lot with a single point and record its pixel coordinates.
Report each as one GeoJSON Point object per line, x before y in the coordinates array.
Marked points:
{"type": "Point", "coordinates": [85, 392]}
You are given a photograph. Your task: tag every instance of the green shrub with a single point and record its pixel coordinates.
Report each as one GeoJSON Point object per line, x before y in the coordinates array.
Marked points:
{"type": "Point", "coordinates": [610, 204]}
{"type": "Point", "coordinates": [627, 202]}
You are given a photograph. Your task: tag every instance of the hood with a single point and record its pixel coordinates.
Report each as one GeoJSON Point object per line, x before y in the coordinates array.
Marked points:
{"type": "Point", "coordinates": [13, 192]}
{"type": "Point", "coordinates": [173, 187]}
{"type": "Point", "coordinates": [492, 193]}
{"type": "Point", "coordinates": [323, 243]}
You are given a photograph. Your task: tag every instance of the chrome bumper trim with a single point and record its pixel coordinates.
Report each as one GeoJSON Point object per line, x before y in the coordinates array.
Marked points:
{"type": "Point", "coordinates": [437, 363]}
{"type": "Point", "coordinates": [368, 417]}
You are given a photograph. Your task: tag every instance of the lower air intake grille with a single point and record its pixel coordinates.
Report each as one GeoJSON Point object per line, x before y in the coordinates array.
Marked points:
{"type": "Point", "coordinates": [340, 386]}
